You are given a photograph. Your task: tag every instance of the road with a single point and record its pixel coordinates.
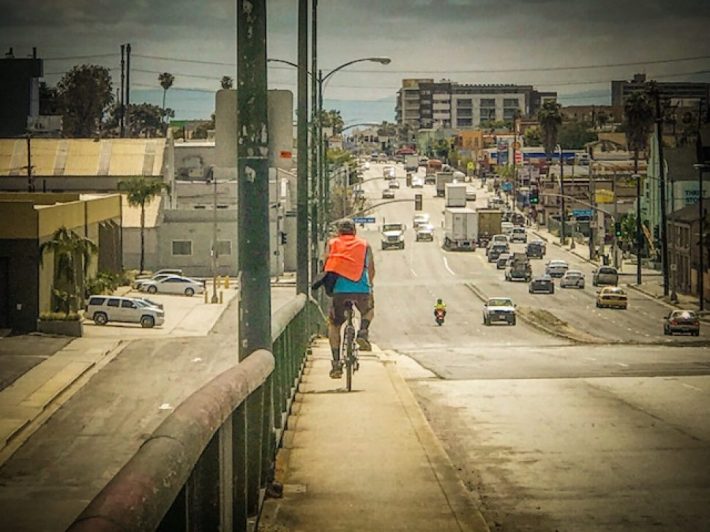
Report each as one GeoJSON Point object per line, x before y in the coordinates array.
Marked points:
{"type": "Point", "coordinates": [549, 434]}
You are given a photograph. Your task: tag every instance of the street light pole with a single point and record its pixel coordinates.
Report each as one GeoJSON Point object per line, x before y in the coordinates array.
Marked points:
{"type": "Point", "coordinates": [316, 190]}
{"type": "Point", "coordinates": [215, 255]}
{"type": "Point", "coordinates": [302, 140]}
{"type": "Point", "coordinates": [701, 242]}
{"type": "Point", "coordinates": [562, 200]}
{"type": "Point", "coordinates": [662, 188]}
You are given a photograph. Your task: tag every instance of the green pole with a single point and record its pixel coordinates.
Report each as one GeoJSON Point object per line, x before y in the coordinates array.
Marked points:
{"type": "Point", "coordinates": [316, 189]}
{"type": "Point", "coordinates": [302, 170]}
{"type": "Point", "coordinates": [253, 175]}
{"type": "Point", "coordinates": [323, 157]}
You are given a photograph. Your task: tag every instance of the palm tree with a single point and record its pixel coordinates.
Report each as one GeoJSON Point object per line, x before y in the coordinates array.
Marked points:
{"type": "Point", "coordinates": [639, 118]}
{"type": "Point", "coordinates": [550, 119]}
{"type": "Point", "coordinates": [166, 80]}
{"type": "Point", "coordinates": [72, 255]}
{"type": "Point", "coordinates": [140, 191]}
{"type": "Point", "coordinates": [227, 82]}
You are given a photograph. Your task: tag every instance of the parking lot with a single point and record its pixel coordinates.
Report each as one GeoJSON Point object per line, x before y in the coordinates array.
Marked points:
{"type": "Point", "coordinates": [184, 316]}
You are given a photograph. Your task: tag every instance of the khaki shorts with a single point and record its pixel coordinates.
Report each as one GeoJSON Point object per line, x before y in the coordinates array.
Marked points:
{"type": "Point", "coordinates": [337, 307]}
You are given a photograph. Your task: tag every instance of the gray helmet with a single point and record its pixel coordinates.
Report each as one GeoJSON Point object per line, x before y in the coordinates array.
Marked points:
{"type": "Point", "coordinates": [345, 226]}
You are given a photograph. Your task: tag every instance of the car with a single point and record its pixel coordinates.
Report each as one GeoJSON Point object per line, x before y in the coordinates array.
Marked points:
{"type": "Point", "coordinates": [556, 268]}
{"type": "Point", "coordinates": [470, 194]}
{"type": "Point", "coordinates": [160, 274]}
{"type": "Point", "coordinates": [507, 227]}
{"type": "Point", "coordinates": [499, 309]}
{"type": "Point", "coordinates": [393, 184]}
{"type": "Point", "coordinates": [519, 271]}
{"type": "Point", "coordinates": [681, 321]}
{"type": "Point", "coordinates": [174, 285]}
{"type": "Point", "coordinates": [496, 239]}
{"type": "Point", "coordinates": [495, 250]}
{"type": "Point", "coordinates": [425, 232]}
{"type": "Point", "coordinates": [517, 218]}
{"type": "Point", "coordinates": [149, 302]}
{"type": "Point", "coordinates": [542, 284]}
{"type": "Point", "coordinates": [417, 182]}
{"type": "Point", "coordinates": [605, 276]}
{"type": "Point", "coordinates": [518, 234]}
{"type": "Point", "coordinates": [502, 261]}
{"type": "Point", "coordinates": [612, 297]}
{"type": "Point", "coordinates": [535, 250]}
{"type": "Point", "coordinates": [392, 235]}
{"type": "Point", "coordinates": [572, 279]}
{"type": "Point", "coordinates": [104, 309]}
{"type": "Point", "coordinates": [389, 172]}
{"type": "Point", "coordinates": [388, 193]}
{"type": "Point", "coordinates": [421, 218]}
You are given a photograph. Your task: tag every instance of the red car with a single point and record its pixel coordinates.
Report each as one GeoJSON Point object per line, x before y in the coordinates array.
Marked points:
{"type": "Point", "coordinates": [681, 321]}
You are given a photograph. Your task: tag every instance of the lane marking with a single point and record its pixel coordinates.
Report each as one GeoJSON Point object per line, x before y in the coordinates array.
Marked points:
{"type": "Point", "coordinates": [413, 272]}
{"type": "Point", "coordinates": [621, 364]}
{"type": "Point", "coordinates": [446, 265]}
{"type": "Point", "coordinates": [590, 358]}
{"type": "Point", "coordinates": [691, 387]}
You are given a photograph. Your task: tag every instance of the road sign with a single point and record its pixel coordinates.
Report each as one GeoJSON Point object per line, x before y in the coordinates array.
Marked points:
{"type": "Point", "coordinates": [364, 220]}
{"type": "Point", "coordinates": [581, 213]}
{"type": "Point", "coordinates": [603, 195]}
{"type": "Point", "coordinates": [507, 187]}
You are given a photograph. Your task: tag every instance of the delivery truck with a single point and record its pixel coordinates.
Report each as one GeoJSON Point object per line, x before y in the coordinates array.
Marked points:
{"type": "Point", "coordinates": [489, 224]}
{"type": "Point", "coordinates": [460, 229]}
{"type": "Point", "coordinates": [442, 178]}
{"type": "Point", "coordinates": [455, 194]}
{"type": "Point", "coordinates": [411, 163]}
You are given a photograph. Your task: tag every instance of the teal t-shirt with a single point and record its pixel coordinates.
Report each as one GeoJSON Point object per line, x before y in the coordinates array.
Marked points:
{"type": "Point", "coordinates": [362, 286]}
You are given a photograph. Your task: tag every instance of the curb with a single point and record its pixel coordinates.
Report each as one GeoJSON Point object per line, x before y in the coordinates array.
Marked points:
{"type": "Point", "coordinates": [459, 499]}
{"type": "Point", "coordinates": [660, 300]}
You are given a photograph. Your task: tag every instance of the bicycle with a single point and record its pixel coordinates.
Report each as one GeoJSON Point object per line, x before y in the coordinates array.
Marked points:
{"type": "Point", "coordinates": [348, 346]}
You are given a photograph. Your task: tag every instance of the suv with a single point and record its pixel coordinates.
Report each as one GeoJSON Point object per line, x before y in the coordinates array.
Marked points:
{"type": "Point", "coordinates": [535, 250]}
{"type": "Point", "coordinates": [102, 309]}
{"type": "Point", "coordinates": [393, 236]}
{"type": "Point", "coordinates": [518, 234]}
{"type": "Point", "coordinates": [605, 275]}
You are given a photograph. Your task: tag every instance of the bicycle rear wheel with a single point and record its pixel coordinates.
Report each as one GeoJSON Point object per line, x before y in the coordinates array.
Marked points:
{"type": "Point", "coordinates": [349, 341]}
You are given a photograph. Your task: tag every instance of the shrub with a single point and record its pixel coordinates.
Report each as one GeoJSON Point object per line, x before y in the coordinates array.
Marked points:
{"type": "Point", "coordinates": [59, 316]}
{"type": "Point", "coordinates": [103, 283]}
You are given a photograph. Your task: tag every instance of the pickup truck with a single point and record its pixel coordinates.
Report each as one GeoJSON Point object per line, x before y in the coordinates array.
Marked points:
{"type": "Point", "coordinates": [393, 235]}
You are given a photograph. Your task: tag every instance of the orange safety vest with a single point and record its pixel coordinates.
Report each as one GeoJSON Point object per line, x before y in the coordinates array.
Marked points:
{"type": "Point", "coordinates": [346, 256]}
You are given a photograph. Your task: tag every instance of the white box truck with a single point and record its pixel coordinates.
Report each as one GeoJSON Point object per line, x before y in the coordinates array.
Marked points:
{"type": "Point", "coordinates": [455, 195]}
{"type": "Point", "coordinates": [441, 179]}
{"type": "Point", "coordinates": [411, 163]}
{"type": "Point", "coordinates": [460, 229]}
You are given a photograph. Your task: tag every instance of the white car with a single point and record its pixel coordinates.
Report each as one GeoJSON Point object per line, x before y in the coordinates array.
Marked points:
{"type": "Point", "coordinates": [499, 309]}
{"type": "Point", "coordinates": [573, 279]}
{"type": "Point", "coordinates": [506, 227]}
{"type": "Point", "coordinates": [556, 268]}
{"type": "Point", "coordinates": [420, 219]}
{"type": "Point", "coordinates": [518, 235]}
{"type": "Point", "coordinates": [417, 182]}
{"type": "Point", "coordinates": [174, 285]}
{"type": "Point", "coordinates": [104, 309]}
{"type": "Point", "coordinates": [157, 276]}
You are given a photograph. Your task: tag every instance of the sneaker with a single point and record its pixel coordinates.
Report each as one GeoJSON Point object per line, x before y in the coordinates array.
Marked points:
{"type": "Point", "coordinates": [337, 371]}
{"type": "Point", "coordinates": [362, 340]}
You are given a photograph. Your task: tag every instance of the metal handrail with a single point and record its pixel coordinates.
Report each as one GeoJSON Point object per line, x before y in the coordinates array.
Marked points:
{"type": "Point", "coordinates": [210, 460]}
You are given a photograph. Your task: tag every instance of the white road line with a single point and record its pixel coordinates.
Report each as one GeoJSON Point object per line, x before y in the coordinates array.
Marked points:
{"type": "Point", "coordinates": [622, 364]}
{"type": "Point", "coordinates": [691, 387]}
{"type": "Point", "coordinates": [590, 358]}
{"type": "Point", "coordinates": [413, 272]}
{"type": "Point", "coordinates": [446, 265]}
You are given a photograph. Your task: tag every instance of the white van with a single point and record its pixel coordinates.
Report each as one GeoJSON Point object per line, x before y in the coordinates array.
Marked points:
{"type": "Point", "coordinates": [506, 227]}
{"type": "Point", "coordinates": [103, 309]}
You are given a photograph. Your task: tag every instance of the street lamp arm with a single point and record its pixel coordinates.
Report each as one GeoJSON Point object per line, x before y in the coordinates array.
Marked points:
{"type": "Point", "coordinates": [285, 62]}
{"type": "Point", "coordinates": [382, 60]}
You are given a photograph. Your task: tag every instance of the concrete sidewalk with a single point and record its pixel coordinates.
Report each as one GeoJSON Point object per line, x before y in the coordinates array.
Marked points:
{"type": "Point", "coordinates": [365, 460]}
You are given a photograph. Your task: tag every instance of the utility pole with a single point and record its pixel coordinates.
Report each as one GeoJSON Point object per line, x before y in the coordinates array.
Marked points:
{"type": "Point", "coordinates": [639, 233]}
{"type": "Point", "coordinates": [316, 188]}
{"type": "Point", "coordinates": [215, 253]}
{"type": "Point", "coordinates": [128, 79]}
{"type": "Point", "coordinates": [662, 188]}
{"type": "Point", "coordinates": [515, 169]}
{"type": "Point", "coordinates": [323, 155]}
{"type": "Point", "coordinates": [302, 140]}
{"type": "Point", "coordinates": [701, 251]}
{"type": "Point", "coordinates": [253, 175]}
{"type": "Point", "coordinates": [562, 199]}
{"type": "Point", "coordinates": [30, 179]}
{"type": "Point", "coordinates": [616, 219]}
{"type": "Point", "coordinates": [121, 109]}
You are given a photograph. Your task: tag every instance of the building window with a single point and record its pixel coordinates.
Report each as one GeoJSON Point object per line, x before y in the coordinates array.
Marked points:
{"type": "Point", "coordinates": [224, 247]}
{"type": "Point", "coordinates": [488, 102]}
{"type": "Point", "coordinates": [510, 102]}
{"type": "Point", "coordinates": [182, 248]}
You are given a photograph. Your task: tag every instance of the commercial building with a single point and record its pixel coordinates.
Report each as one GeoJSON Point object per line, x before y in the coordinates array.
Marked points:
{"type": "Point", "coordinates": [27, 220]}
{"type": "Point", "coordinates": [684, 230]}
{"type": "Point", "coordinates": [19, 86]}
{"type": "Point", "coordinates": [425, 104]}
{"type": "Point", "coordinates": [676, 92]}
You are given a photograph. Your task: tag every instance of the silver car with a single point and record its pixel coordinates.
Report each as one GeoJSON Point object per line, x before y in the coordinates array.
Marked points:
{"type": "Point", "coordinates": [105, 309]}
{"type": "Point", "coordinates": [556, 268]}
{"type": "Point", "coordinates": [174, 285]}
{"type": "Point", "coordinates": [572, 279]}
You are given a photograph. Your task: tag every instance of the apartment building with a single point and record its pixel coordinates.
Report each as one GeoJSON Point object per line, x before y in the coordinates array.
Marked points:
{"type": "Point", "coordinates": [683, 93]}
{"type": "Point", "coordinates": [426, 104]}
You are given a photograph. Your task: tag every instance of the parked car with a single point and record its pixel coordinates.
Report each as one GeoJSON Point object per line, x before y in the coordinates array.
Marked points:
{"type": "Point", "coordinates": [160, 274]}
{"type": "Point", "coordinates": [543, 284]}
{"type": "Point", "coordinates": [499, 309]}
{"type": "Point", "coordinates": [425, 232]}
{"type": "Point", "coordinates": [556, 268]}
{"type": "Point", "coordinates": [681, 321]}
{"type": "Point", "coordinates": [388, 193]}
{"type": "Point", "coordinates": [149, 302]}
{"type": "Point", "coordinates": [612, 297]}
{"type": "Point", "coordinates": [174, 285]}
{"type": "Point", "coordinates": [605, 276]}
{"type": "Point", "coordinates": [105, 309]}
{"type": "Point", "coordinates": [573, 279]}
{"type": "Point", "coordinates": [502, 261]}
{"type": "Point", "coordinates": [518, 234]}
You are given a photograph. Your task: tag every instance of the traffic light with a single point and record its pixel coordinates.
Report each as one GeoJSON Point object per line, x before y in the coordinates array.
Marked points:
{"type": "Point", "coordinates": [657, 233]}
{"type": "Point", "coordinates": [617, 229]}
{"type": "Point", "coordinates": [534, 197]}
{"type": "Point", "coordinates": [418, 202]}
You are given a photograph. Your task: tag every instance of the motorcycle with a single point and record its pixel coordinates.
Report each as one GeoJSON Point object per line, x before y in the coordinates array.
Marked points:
{"type": "Point", "coordinates": [439, 315]}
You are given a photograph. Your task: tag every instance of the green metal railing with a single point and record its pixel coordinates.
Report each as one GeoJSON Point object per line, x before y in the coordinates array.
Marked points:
{"type": "Point", "coordinates": [207, 466]}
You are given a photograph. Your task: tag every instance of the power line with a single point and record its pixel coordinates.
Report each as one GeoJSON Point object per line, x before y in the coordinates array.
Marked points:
{"type": "Point", "coordinates": [75, 57]}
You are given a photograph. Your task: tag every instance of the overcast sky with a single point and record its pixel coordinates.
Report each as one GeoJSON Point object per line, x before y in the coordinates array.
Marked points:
{"type": "Point", "coordinates": [424, 38]}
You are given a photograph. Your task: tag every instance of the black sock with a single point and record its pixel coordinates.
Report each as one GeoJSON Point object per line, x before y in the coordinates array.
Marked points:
{"type": "Point", "coordinates": [336, 353]}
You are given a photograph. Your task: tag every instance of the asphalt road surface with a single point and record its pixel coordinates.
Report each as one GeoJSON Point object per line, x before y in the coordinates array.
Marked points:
{"type": "Point", "coordinates": [549, 434]}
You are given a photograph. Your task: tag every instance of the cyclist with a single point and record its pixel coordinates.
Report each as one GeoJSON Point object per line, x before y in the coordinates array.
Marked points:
{"type": "Point", "coordinates": [439, 305]}
{"type": "Point", "coordinates": [350, 257]}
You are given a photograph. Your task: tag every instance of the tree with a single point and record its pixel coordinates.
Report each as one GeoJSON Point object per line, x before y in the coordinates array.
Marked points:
{"type": "Point", "coordinates": [628, 230]}
{"type": "Point", "coordinates": [574, 135]}
{"type": "Point", "coordinates": [84, 94]}
{"type": "Point", "coordinates": [226, 82]}
{"type": "Point", "coordinates": [533, 136]}
{"type": "Point", "coordinates": [72, 255]}
{"type": "Point", "coordinates": [146, 119]}
{"type": "Point", "coordinates": [550, 119]}
{"type": "Point", "coordinates": [638, 121]}
{"type": "Point", "coordinates": [201, 130]}
{"type": "Point", "coordinates": [140, 191]}
{"type": "Point", "coordinates": [442, 147]}
{"type": "Point", "coordinates": [48, 100]}
{"type": "Point", "coordinates": [166, 80]}
{"type": "Point", "coordinates": [333, 119]}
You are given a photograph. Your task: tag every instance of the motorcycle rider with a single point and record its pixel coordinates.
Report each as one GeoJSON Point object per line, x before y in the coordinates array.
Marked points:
{"type": "Point", "coordinates": [439, 306]}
